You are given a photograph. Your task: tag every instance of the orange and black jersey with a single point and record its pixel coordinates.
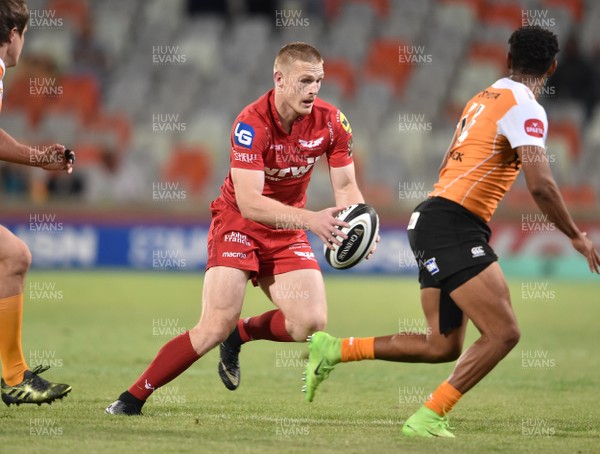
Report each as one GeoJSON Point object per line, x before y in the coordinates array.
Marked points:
{"type": "Point", "coordinates": [482, 162]}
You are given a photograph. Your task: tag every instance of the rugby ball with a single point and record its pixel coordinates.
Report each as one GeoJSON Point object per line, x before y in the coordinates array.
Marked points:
{"type": "Point", "coordinates": [362, 234]}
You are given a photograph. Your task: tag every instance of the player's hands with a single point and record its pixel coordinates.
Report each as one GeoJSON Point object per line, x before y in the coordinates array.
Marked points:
{"type": "Point", "coordinates": [374, 248]}
{"type": "Point", "coordinates": [325, 225]}
{"type": "Point", "coordinates": [56, 157]}
{"type": "Point", "coordinates": [585, 247]}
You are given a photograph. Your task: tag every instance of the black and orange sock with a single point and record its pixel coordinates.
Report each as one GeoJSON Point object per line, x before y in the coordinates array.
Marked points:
{"type": "Point", "coordinates": [11, 351]}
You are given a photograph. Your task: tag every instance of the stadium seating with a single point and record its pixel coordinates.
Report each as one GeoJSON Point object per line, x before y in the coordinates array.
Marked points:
{"type": "Point", "coordinates": [224, 63]}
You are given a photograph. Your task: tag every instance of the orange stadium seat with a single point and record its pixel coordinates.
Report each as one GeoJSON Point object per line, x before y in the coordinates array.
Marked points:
{"type": "Point", "coordinates": [504, 13]}
{"type": "Point", "coordinates": [489, 52]}
{"type": "Point", "coordinates": [582, 196]}
{"type": "Point", "coordinates": [383, 63]}
{"type": "Point", "coordinates": [342, 73]}
{"type": "Point", "coordinates": [81, 94]}
{"type": "Point", "coordinates": [116, 123]}
{"type": "Point", "coordinates": [88, 154]}
{"type": "Point", "coordinates": [190, 165]}
{"type": "Point", "coordinates": [76, 11]}
{"type": "Point", "coordinates": [20, 97]}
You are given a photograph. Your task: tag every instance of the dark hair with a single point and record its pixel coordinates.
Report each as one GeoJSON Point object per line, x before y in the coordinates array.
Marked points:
{"type": "Point", "coordinates": [13, 13]}
{"type": "Point", "coordinates": [532, 49]}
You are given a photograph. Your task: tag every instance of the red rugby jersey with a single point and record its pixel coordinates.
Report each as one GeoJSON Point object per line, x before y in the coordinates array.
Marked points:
{"type": "Point", "coordinates": [259, 142]}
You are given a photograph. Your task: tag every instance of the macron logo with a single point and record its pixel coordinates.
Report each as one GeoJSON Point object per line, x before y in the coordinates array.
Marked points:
{"type": "Point", "coordinates": [534, 128]}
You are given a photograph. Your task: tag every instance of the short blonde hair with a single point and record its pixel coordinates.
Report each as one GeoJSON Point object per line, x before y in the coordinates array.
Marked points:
{"type": "Point", "coordinates": [297, 51]}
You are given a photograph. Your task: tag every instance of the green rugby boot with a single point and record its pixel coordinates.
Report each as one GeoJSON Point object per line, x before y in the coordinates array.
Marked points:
{"type": "Point", "coordinates": [34, 389]}
{"type": "Point", "coordinates": [427, 423]}
{"type": "Point", "coordinates": [325, 351]}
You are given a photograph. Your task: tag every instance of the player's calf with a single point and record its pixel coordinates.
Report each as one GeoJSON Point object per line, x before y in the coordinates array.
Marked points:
{"type": "Point", "coordinates": [300, 328]}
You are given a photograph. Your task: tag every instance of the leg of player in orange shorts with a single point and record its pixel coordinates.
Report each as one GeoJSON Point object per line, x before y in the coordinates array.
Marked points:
{"type": "Point", "coordinates": [19, 384]}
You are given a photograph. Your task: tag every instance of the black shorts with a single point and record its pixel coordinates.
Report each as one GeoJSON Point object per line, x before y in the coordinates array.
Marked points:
{"type": "Point", "coordinates": [451, 245]}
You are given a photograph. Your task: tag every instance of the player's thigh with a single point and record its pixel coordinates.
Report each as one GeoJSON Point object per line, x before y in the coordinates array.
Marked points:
{"type": "Point", "coordinates": [485, 300]}
{"type": "Point", "coordinates": [14, 253]}
{"type": "Point", "coordinates": [448, 344]}
{"type": "Point", "coordinates": [300, 294]}
{"type": "Point", "coordinates": [222, 296]}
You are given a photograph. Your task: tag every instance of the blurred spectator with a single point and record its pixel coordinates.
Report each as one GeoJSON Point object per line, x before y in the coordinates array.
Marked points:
{"type": "Point", "coordinates": [232, 7]}
{"type": "Point", "coordinates": [14, 179]}
{"type": "Point", "coordinates": [116, 179]}
{"type": "Point", "coordinates": [207, 7]}
{"type": "Point", "coordinates": [575, 77]}
{"type": "Point", "coordinates": [64, 185]}
{"type": "Point", "coordinates": [88, 55]}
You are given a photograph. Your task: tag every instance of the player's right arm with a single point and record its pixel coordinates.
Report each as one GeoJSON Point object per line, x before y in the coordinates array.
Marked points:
{"type": "Point", "coordinates": [545, 192]}
{"type": "Point", "coordinates": [49, 158]}
{"type": "Point", "coordinates": [255, 206]}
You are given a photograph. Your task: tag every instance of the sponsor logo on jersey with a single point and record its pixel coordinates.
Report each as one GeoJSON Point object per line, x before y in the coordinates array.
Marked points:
{"type": "Point", "coordinates": [534, 128]}
{"type": "Point", "coordinates": [305, 255]}
{"type": "Point", "coordinates": [311, 143]}
{"type": "Point", "coordinates": [248, 158]}
{"type": "Point", "coordinates": [477, 251]}
{"type": "Point", "coordinates": [233, 255]}
{"type": "Point", "coordinates": [432, 266]}
{"type": "Point", "coordinates": [344, 122]}
{"type": "Point", "coordinates": [243, 135]}
{"type": "Point", "coordinates": [236, 237]}
{"type": "Point", "coordinates": [291, 172]}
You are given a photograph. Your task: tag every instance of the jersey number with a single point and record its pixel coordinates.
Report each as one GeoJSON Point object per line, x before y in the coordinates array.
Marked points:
{"type": "Point", "coordinates": [468, 121]}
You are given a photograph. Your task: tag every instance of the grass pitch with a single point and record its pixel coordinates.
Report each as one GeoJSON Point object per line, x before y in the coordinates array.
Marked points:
{"type": "Point", "coordinates": [99, 330]}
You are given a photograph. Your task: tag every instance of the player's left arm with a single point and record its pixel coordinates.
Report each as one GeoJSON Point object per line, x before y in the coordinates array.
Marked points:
{"type": "Point", "coordinates": [547, 196]}
{"type": "Point", "coordinates": [525, 126]}
{"type": "Point", "coordinates": [341, 167]}
{"type": "Point", "coordinates": [345, 188]}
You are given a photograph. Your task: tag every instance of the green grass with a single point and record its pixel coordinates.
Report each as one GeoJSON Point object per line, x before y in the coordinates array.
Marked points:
{"type": "Point", "coordinates": [100, 330]}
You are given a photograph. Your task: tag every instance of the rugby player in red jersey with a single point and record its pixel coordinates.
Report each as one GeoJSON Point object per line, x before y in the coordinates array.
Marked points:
{"type": "Point", "coordinates": [19, 384]}
{"type": "Point", "coordinates": [502, 129]}
{"type": "Point", "coordinates": [258, 226]}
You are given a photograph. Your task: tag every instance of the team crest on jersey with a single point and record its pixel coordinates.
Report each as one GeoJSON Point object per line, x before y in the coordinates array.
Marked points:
{"type": "Point", "coordinates": [341, 118]}
{"type": "Point", "coordinates": [534, 127]}
{"type": "Point", "coordinates": [311, 143]}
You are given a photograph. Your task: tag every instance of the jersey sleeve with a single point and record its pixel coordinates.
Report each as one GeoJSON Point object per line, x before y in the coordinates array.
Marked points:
{"type": "Point", "coordinates": [249, 141]}
{"type": "Point", "coordinates": [339, 153]}
{"type": "Point", "coordinates": [525, 124]}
